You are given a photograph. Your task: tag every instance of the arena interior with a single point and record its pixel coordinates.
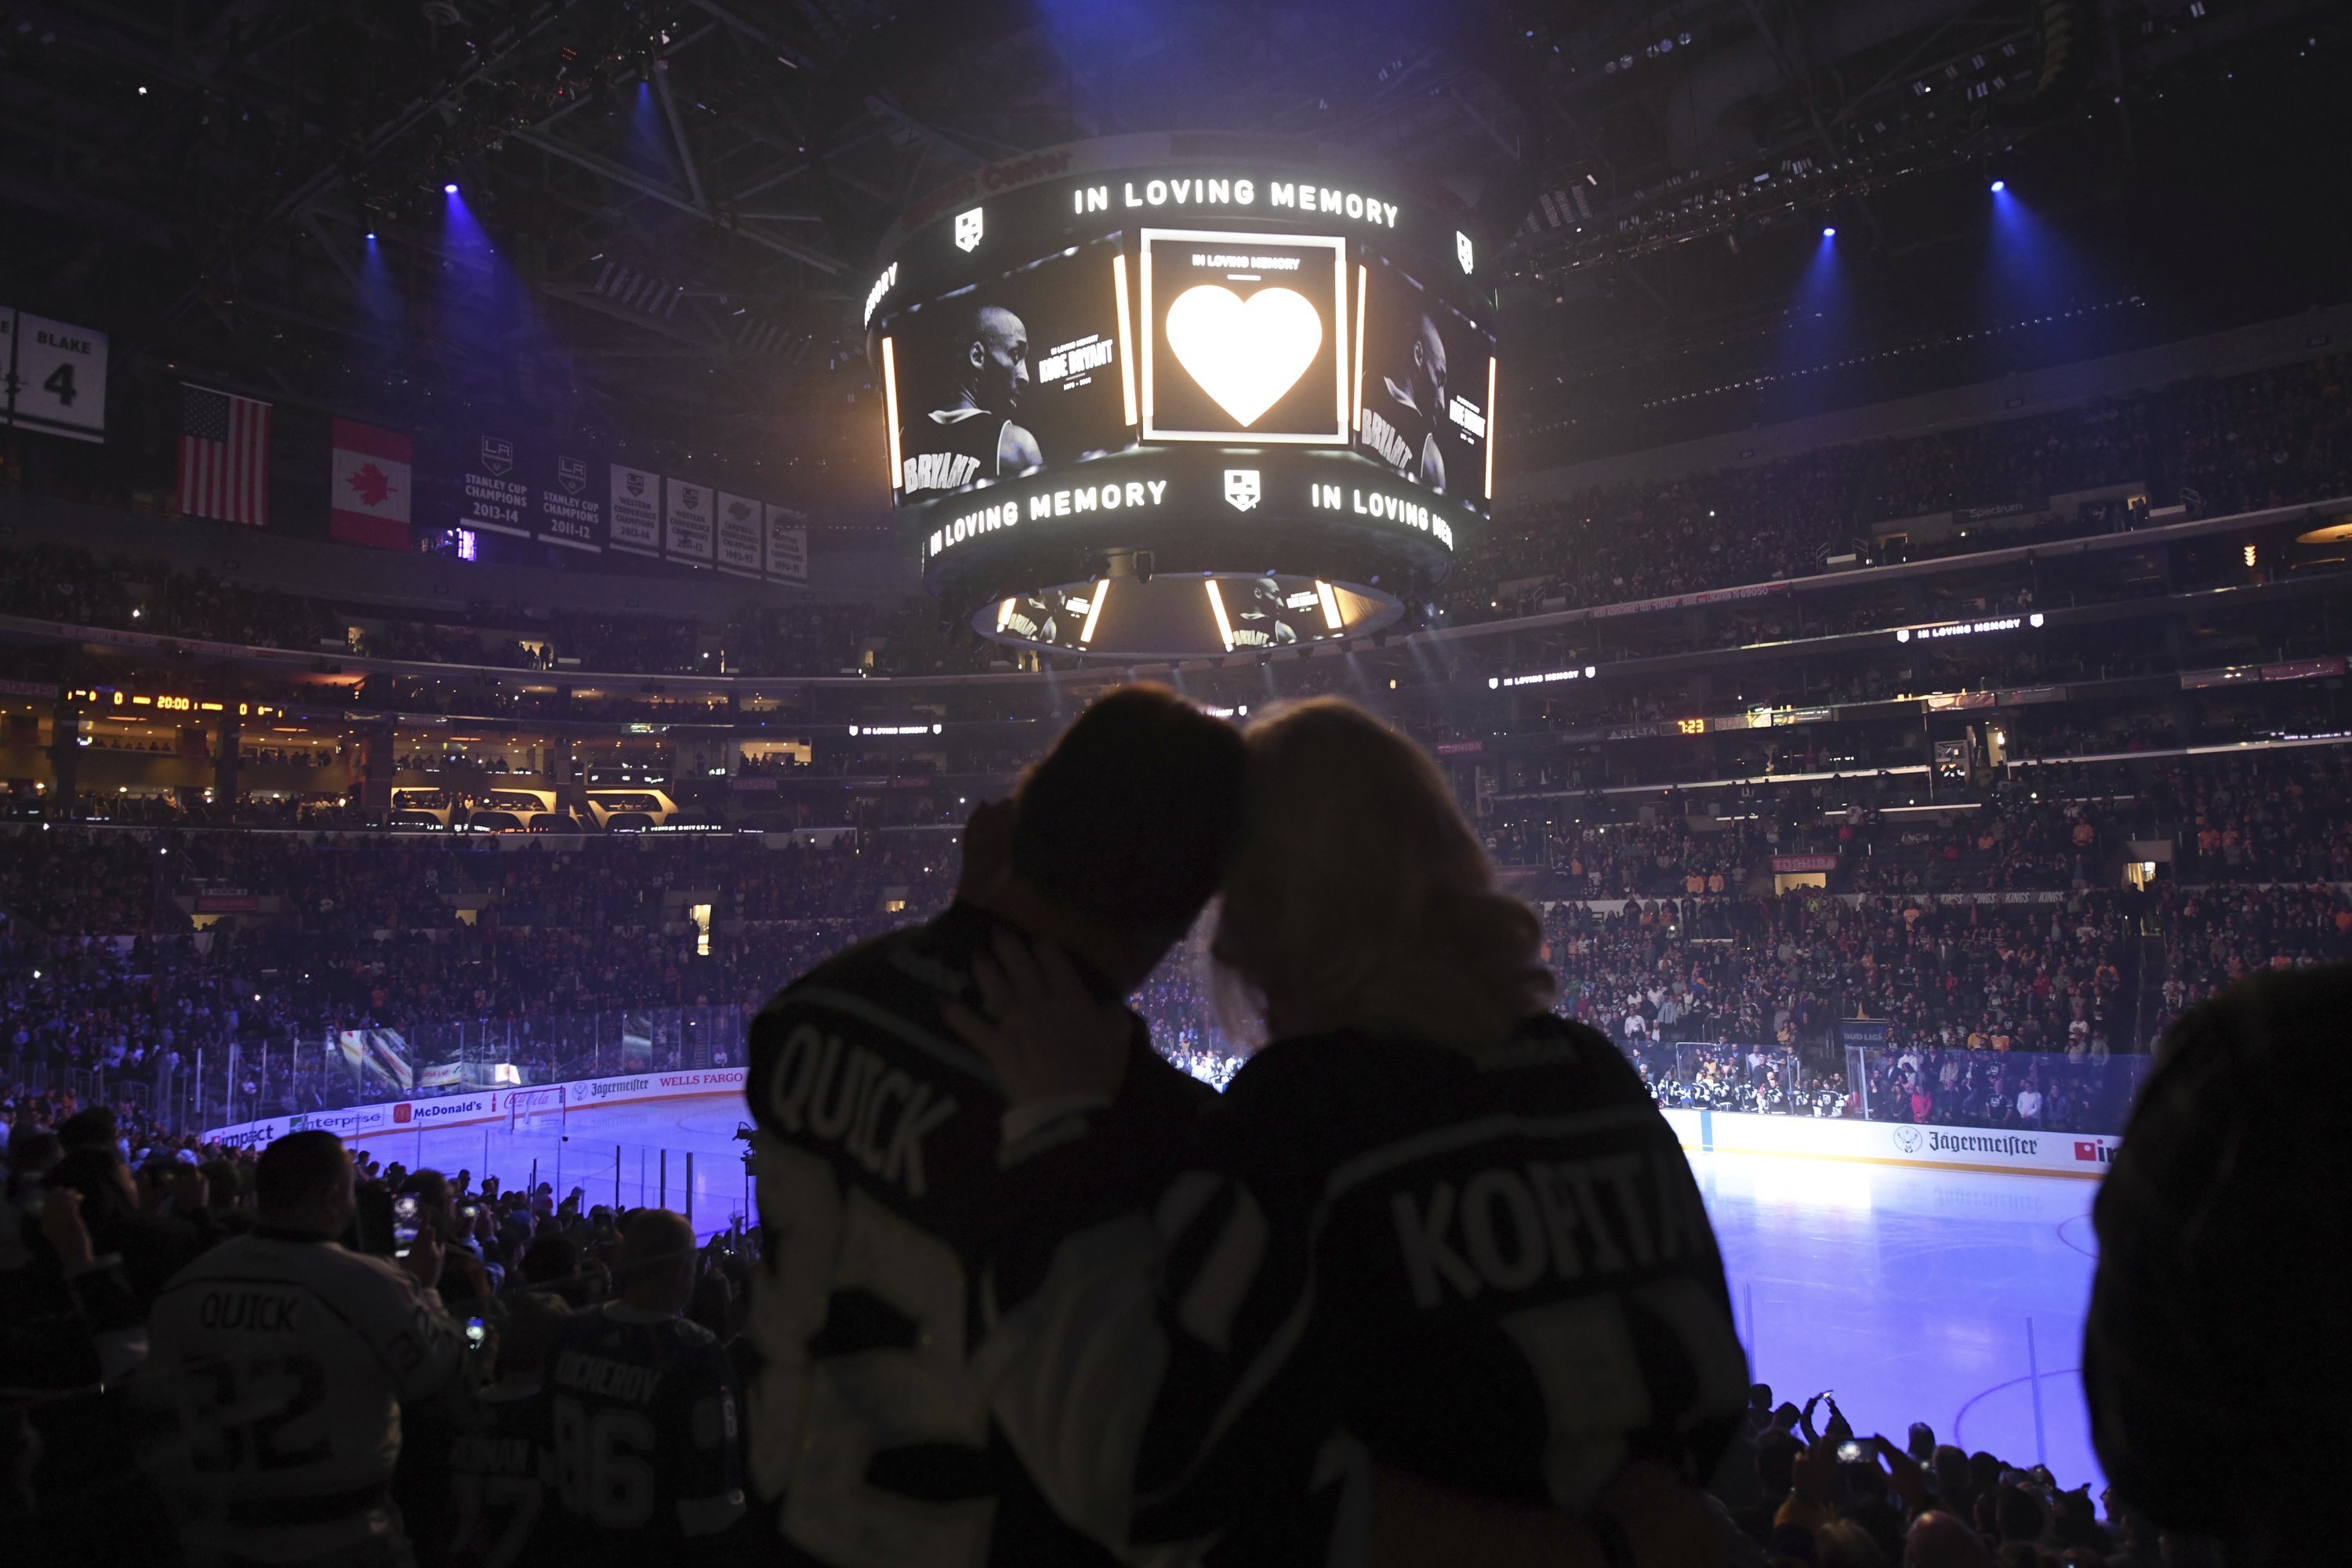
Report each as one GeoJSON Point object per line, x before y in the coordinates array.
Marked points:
{"type": "Point", "coordinates": [526, 525]}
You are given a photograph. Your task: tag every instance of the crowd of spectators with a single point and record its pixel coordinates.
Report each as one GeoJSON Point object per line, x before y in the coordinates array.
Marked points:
{"type": "Point", "coordinates": [104, 1217]}
{"type": "Point", "coordinates": [1997, 930]}
{"type": "Point", "coordinates": [2216, 446]}
{"type": "Point", "coordinates": [2265, 439]}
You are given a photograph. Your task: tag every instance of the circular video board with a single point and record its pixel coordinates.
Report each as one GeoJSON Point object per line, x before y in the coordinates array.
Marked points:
{"type": "Point", "coordinates": [1226, 395]}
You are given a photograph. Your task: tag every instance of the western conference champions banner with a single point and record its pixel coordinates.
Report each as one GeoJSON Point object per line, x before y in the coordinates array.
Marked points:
{"type": "Point", "coordinates": [787, 545]}
{"type": "Point", "coordinates": [634, 499]}
{"type": "Point", "coordinates": [739, 535]}
{"type": "Point", "coordinates": [687, 530]}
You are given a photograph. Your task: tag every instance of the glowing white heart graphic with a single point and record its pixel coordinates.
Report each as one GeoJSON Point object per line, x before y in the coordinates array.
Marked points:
{"type": "Point", "coordinates": [1245, 355]}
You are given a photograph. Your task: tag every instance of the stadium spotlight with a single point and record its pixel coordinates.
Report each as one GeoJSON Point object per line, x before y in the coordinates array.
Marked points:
{"type": "Point", "coordinates": [450, 189]}
{"type": "Point", "coordinates": [1998, 187]}
{"type": "Point", "coordinates": [1829, 231]}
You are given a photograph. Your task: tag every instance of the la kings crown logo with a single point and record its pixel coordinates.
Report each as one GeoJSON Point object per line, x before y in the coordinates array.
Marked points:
{"type": "Point", "coordinates": [1242, 488]}
{"type": "Point", "coordinates": [967, 230]}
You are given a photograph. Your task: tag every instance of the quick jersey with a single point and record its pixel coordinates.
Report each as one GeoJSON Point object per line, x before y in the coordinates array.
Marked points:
{"type": "Point", "coordinates": [498, 1470]}
{"type": "Point", "coordinates": [1492, 1273]}
{"type": "Point", "coordinates": [950, 448]}
{"type": "Point", "coordinates": [286, 1362]}
{"type": "Point", "coordinates": [643, 1436]}
{"type": "Point", "coordinates": [876, 1161]}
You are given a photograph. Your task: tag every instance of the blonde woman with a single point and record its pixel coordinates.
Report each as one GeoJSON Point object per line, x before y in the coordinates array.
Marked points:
{"type": "Point", "coordinates": [1431, 1232]}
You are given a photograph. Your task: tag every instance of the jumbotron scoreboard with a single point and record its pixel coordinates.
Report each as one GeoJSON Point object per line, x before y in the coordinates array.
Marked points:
{"type": "Point", "coordinates": [1172, 395]}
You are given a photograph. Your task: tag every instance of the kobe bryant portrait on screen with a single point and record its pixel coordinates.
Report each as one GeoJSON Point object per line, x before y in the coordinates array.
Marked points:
{"type": "Point", "coordinates": [971, 437]}
{"type": "Point", "coordinates": [1400, 419]}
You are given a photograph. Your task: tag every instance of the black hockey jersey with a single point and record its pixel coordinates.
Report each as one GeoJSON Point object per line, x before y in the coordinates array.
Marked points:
{"type": "Point", "coordinates": [878, 1180]}
{"type": "Point", "coordinates": [645, 1437]}
{"type": "Point", "coordinates": [498, 1469]}
{"type": "Point", "coordinates": [1494, 1272]}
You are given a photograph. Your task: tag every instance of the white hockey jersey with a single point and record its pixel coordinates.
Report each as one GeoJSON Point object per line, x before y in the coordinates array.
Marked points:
{"type": "Point", "coordinates": [285, 1362]}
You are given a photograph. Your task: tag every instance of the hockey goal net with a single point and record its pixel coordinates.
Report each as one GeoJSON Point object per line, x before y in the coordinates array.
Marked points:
{"type": "Point", "coordinates": [535, 1107]}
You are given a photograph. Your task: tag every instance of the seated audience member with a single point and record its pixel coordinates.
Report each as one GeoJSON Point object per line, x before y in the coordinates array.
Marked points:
{"type": "Point", "coordinates": [1356, 1268]}
{"type": "Point", "coordinates": [2218, 1357]}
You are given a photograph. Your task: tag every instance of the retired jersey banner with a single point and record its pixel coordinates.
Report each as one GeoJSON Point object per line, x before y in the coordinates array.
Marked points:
{"type": "Point", "coordinates": [567, 508]}
{"type": "Point", "coordinates": [739, 535]}
{"type": "Point", "coordinates": [636, 498]}
{"type": "Point", "coordinates": [686, 522]}
{"type": "Point", "coordinates": [492, 496]}
{"type": "Point", "coordinates": [787, 545]}
{"type": "Point", "coordinates": [52, 377]}
{"type": "Point", "coordinates": [370, 498]}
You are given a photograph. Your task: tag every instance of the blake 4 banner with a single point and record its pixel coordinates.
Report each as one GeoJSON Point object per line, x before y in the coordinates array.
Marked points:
{"type": "Point", "coordinates": [492, 496]}
{"type": "Point", "coordinates": [739, 535]}
{"type": "Point", "coordinates": [635, 496]}
{"type": "Point", "coordinates": [370, 497]}
{"type": "Point", "coordinates": [787, 545]}
{"type": "Point", "coordinates": [687, 527]}
{"type": "Point", "coordinates": [52, 377]}
{"type": "Point", "coordinates": [567, 507]}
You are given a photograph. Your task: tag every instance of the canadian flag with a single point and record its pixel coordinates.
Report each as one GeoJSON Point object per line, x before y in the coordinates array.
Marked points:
{"type": "Point", "coordinates": [371, 486]}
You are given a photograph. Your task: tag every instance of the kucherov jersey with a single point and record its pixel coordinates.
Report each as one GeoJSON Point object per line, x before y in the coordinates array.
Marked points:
{"type": "Point", "coordinates": [642, 1435]}
{"type": "Point", "coordinates": [878, 1182]}
{"type": "Point", "coordinates": [286, 1362]}
{"type": "Point", "coordinates": [498, 1470]}
{"type": "Point", "coordinates": [1493, 1271]}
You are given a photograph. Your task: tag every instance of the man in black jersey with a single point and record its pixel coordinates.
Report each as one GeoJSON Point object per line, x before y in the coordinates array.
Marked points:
{"type": "Point", "coordinates": [497, 1465]}
{"type": "Point", "coordinates": [973, 437]}
{"type": "Point", "coordinates": [870, 1444]}
{"type": "Point", "coordinates": [1402, 420]}
{"type": "Point", "coordinates": [643, 1427]}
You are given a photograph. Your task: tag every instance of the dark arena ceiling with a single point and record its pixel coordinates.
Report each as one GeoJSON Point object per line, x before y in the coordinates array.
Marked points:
{"type": "Point", "coordinates": [670, 208]}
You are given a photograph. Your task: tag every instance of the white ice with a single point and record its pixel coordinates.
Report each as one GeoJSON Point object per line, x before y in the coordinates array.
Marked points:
{"type": "Point", "coordinates": [1931, 1296]}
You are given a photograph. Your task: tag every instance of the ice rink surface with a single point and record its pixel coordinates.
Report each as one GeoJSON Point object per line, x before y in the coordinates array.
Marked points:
{"type": "Point", "coordinates": [1953, 1297]}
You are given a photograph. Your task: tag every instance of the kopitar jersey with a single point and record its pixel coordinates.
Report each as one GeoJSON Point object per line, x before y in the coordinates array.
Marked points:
{"type": "Point", "coordinates": [1492, 1271]}
{"type": "Point", "coordinates": [878, 1187]}
{"type": "Point", "coordinates": [643, 1434]}
{"type": "Point", "coordinates": [285, 1362]}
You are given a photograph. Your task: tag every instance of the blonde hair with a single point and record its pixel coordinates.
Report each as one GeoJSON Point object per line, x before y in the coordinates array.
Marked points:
{"type": "Point", "coordinates": [1360, 898]}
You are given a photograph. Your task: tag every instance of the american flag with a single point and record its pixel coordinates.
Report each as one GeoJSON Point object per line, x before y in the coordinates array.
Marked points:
{"type": "Point", "coordinates": [224, 456]}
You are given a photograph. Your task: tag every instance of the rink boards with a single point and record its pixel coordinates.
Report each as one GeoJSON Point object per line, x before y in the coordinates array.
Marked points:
{"type": "Point", "coordinates": [2025, 1151]}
